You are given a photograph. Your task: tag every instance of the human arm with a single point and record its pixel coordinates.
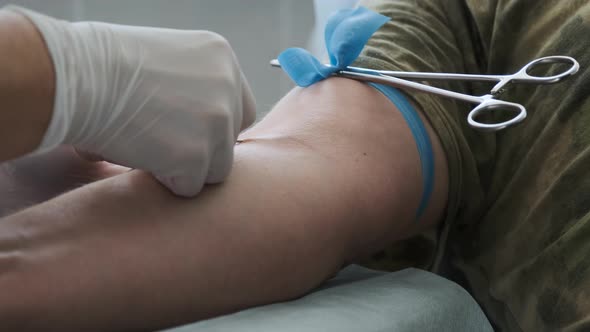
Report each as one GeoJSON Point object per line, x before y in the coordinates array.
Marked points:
{"type": "Point", "coordinates": [26, 86]}
{"type": "Point", "coordinates": [34, 179]}
{"type": "Point", "coordinates": [331, 175]}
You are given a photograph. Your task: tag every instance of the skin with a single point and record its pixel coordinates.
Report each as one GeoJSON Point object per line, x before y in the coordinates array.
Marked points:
{"type": "Point", "coordinates": [26, 86]}
{"type": "Point", "coordinates": [329, 176]}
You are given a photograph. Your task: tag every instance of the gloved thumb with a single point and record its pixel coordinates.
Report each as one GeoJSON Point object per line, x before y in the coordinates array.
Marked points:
{"type": "Point", "coordinates": [186, 186]}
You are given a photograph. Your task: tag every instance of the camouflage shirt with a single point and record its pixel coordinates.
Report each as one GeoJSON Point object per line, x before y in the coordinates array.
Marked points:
{"type": "Point", "coordinates": [517, 226]}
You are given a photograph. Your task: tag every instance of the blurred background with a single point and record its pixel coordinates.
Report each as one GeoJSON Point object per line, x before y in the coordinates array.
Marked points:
{"type": "Point", "coordinates": [258, 30]}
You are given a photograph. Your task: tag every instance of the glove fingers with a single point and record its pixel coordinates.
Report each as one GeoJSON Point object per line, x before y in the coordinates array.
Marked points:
{"type": "Point", "coordinates": [221, 164]}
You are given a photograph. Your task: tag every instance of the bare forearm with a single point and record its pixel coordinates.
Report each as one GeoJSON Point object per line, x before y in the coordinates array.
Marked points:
{"type": "Point", "coordinates": [26, 86]}
{"type": "Point", "coordinates": [162, 260]}
{"type": "Point", "coordinates": [329, 176]}
{"type": "Point", "coordinates": [34, 179]}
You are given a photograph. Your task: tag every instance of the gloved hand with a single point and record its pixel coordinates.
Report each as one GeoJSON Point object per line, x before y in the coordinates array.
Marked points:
{"type": "Point", "coordinates": [170, 102]}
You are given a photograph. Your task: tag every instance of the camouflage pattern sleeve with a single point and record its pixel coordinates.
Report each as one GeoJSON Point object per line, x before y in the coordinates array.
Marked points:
{"type": "Point", "coordinates": [518, 223]}
{"type": "Point", "coordinates": [526, 256]}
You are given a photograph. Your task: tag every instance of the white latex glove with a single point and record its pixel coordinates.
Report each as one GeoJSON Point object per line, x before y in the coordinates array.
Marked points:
{"type": "Point", "coordinates": [170, 102]}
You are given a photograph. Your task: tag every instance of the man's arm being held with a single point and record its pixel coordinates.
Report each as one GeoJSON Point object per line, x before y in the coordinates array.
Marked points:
{"type": "Point", "coordinates": [331, 175]}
